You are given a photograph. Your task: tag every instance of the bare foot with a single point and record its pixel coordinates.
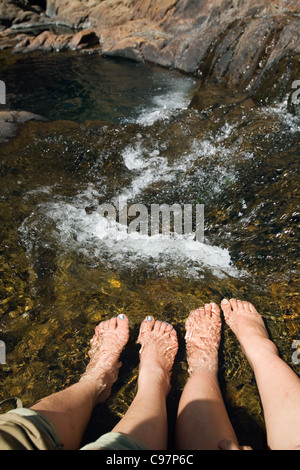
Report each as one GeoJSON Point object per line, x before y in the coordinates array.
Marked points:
{"type": "Point", "coordinates": [249, 328]}
{"type": "Point", "coordinates": [106, 346]}
{"type": "Point", "coordinates": [159, 348]}
{"type": "Point", "coordinates": [203, 333]}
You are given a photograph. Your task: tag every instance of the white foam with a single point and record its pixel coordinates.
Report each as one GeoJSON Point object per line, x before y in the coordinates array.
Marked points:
{"type": "Point", "coordinates": [163, 107]}
{"type": "Point", "coordinates": [148, 168]}
{"type": "Point", "coordinates": [94, 236]}
{"type": "Point", "coordinates": [107, 241]}
{"type": "Point", "coordinates": [280, 110]}
{"type": "Point", "coordinates": [166, 104]}
{"type": "Point", "coordinates": [151, 167]}
{"type": "Point", "coordinates": [67, 225]}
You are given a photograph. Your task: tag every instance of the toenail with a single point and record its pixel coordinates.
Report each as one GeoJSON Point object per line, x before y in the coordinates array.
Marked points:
{"type": "Point", "coordinates": [121, 316]}
{"type": "Point", "coordinates": [149, 318]}
{"type": "Point", "coordinates": [225, 301]}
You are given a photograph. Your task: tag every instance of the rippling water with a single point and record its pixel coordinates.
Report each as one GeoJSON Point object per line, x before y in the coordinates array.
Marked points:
{"type": "Point", "coordinates": [63, 270]}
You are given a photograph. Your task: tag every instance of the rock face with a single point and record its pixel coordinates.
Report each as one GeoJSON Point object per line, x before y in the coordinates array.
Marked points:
{"type": "Point", "coordinates": [247, 44]}
{"type": "Point", "coordinates": [20, 11]}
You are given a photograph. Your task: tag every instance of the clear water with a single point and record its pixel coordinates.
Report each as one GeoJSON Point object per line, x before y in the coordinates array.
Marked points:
{"type": "Point", "coordinates": [61, 270]}
{"type": "Point", "coordinates": [89, 87]}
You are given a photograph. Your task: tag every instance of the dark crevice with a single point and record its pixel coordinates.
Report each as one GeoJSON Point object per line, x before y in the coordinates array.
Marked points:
{"type": "Point", "coordinates": [39, 3]}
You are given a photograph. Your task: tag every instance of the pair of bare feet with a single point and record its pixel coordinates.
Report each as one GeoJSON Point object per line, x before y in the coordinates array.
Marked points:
{"type": "Point", "coordinates": [159, 344]}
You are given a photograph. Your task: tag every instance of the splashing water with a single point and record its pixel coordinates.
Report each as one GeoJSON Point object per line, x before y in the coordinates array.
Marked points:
{"type": "Point", "coordinates": [65, 267]}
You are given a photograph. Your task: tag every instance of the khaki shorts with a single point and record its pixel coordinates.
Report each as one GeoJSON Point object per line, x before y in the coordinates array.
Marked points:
{"type": "Point", "coordinates": [24, 429]}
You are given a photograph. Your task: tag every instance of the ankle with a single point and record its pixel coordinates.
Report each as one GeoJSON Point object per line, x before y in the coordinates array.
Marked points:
{"type": "Point", "coordinates": [263, 350]}
{"type": "Point", "coordinates": [204, 374]}
{"type": "Point", "coordinates": [204, 362]}
{"type": "Point", "coordinates": [153, 376]}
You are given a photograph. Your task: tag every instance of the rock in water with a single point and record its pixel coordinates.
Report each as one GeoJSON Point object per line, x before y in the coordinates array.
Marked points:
{"type": "Point", "coordinates": [249, 44]}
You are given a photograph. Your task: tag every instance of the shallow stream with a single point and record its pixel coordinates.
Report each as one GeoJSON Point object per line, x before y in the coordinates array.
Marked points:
{"type": "Point", "coordinates": [124, 131]}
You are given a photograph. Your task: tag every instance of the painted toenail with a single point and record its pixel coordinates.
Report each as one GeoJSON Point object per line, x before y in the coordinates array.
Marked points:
{"type": "Point", "coordinates": [121, 316]}
{"type": "Point", "coordinates": [149, 318]}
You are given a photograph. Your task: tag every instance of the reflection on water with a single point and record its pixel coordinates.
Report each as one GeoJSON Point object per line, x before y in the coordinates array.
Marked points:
{"type": "Point", "coordinates": [61, 272]}
{"type": "Point", "coordinates": [88, 87]}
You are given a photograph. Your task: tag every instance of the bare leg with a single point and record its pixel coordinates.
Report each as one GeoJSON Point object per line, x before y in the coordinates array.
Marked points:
{"type": "Point", "coordinates": [202, 420]}
{"type": "Point", "coordinates": [70, 409]}
{"type": "Point", "coordinates": [278, 385]}
{"type": "Point", "coordinates": [146, 418]}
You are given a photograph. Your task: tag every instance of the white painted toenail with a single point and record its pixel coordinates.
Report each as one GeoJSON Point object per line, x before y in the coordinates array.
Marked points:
{"type": "Point", "coordinates": [149, 318]}
{"type": "Point", "coordinates": [121, 316]}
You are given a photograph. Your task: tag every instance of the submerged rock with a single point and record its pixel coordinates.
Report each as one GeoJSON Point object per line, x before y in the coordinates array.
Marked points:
{"type": "Point", "coordinates": [9, 121]}
{"type": "Point", "coordinates": [59, 277]}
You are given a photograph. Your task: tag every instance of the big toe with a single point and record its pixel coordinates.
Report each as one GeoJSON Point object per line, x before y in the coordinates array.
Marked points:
{"type": "Point", "coordinates": [122, 322]}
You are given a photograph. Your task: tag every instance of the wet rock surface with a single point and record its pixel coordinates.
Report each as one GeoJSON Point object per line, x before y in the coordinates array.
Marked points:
{"type": "Point", "coordinates": [48, 41]}
{"type": "Point", "coordinates": [244, 44]}
{"type": "Point", "coordinates": [9, 121]}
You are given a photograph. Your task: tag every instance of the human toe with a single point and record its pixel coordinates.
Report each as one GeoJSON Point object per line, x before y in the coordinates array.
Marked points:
{"type": "Point", "coordinates": [122, 321]}
{"type": "Point", "coordinates": [146, 326]}
{"type": "Point", "coordinates": [165, 327]}
{"type": "Point", "coordinates": [215, 311]}
{"type": "Point", "coordinates": [207, 309]}
{"type": "Point", "coordinates": [234, 304]}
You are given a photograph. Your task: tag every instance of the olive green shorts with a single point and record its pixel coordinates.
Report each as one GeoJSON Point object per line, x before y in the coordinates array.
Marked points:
{"type": "Point", "coordinates": [25, 429]}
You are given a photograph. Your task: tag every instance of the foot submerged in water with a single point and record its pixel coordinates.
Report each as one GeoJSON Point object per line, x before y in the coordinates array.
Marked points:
{"type": "Point", "coordinates": [248, 326]}
{"type": "Point", "coordinates": [108, 342]}
{"type": "Point", "coordinates": [159, 346]}
{"type": "Point", "coordinates": [203, 333]}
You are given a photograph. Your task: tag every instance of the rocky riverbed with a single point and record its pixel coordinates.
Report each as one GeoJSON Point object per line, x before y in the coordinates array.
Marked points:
{"type": "Point", "coordinates": [234, 148]}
